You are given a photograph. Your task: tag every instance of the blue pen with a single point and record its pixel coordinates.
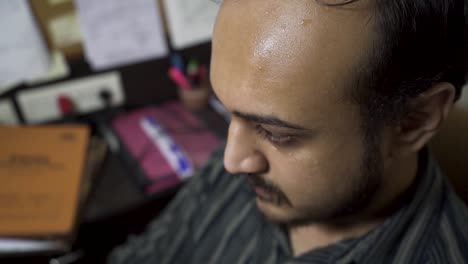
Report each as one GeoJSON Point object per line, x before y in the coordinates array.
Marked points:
{"type": "Point", "coordinates": [178, 62]}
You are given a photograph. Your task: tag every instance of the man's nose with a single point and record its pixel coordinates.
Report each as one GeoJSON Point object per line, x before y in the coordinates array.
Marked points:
{"type": "Point", "coordinates": [241, 154]}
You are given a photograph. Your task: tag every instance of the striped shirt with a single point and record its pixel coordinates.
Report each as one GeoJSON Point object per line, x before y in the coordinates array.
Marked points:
{"type": "Point", "coordinates": [214, 219]}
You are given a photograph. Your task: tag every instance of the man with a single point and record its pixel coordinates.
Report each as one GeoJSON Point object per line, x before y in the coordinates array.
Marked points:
{"type": "Point", "coordinates": [332, 106]}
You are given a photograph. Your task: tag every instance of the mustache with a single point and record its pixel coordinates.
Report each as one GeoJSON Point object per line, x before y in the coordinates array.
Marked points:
{"type": "Point", "coordinates": [268, 186]}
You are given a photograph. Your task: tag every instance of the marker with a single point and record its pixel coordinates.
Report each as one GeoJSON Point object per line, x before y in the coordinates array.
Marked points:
{"type": "Point", "coordinates": [178, 77]}
{"type": "Point", "coordinates": [178, 62]}
{"type": "Point", "coordinates": [192, 72]}
{"type": "Point", "coordinates": [192, 67]}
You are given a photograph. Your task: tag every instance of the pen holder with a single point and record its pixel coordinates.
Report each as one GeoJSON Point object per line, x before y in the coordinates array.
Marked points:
{"type": "Point", "coordinates": [195, 99]}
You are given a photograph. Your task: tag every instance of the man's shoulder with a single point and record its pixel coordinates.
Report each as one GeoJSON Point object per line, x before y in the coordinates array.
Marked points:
{"type": "Point", "coordinates": [432, 227]}
{"type": "Point", "coordinates": [455, 216]}
{"type": "Point", "coordinates": [450, 240]}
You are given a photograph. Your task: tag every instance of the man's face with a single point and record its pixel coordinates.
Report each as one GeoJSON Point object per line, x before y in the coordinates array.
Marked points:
{"type": "Point", "coordinates": [282, 69]}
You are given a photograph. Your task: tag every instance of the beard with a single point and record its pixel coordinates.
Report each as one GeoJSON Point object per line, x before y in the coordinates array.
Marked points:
{"type": "Point", "coordinates": [365, 184]}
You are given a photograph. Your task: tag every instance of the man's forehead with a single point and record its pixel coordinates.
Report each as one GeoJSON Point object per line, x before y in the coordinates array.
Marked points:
{"type": "Point", "coordinates": [282, 50]}
{"type": "Point", "coordinates": [298, 36]}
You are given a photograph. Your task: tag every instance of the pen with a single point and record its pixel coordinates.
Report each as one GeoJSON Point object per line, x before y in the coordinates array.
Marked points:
{"type": "Point", "coordinates": [192, 72]}
{"type": "Point", "coordinates": [178, 77]}
{"type": "Point", "coordinates": [178, 62]}
{"type": "Point", "coordinates": [192, 67]}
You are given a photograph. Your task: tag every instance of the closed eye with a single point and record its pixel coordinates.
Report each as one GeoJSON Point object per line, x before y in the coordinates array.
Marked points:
{"type": "Point", "coordinates": [278, 139]}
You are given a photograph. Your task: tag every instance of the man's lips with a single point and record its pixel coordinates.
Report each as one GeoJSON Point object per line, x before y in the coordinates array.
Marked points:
{"type": "Point", "coordinates": [261, 192]}
{"type": "Point", "coordinates": [266, 194]}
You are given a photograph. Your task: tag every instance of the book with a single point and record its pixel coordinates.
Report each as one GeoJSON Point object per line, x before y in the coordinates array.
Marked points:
{"type": "Point", "coordinates": [172, 125]}
{"type": "Point", "coordinates": [44, 172]}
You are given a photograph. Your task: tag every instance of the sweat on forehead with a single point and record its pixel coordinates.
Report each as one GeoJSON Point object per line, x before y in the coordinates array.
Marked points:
{"type": "Point", "coordinates": [303, 42]}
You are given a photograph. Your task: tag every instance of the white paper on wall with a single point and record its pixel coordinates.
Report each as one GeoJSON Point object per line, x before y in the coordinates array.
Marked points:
{"type": "Point", "coordinates": [23, 52]}
{"type": "Point", "coordinates": [190, 22]}
{"type": "Point", "coordinates": [120, 32]}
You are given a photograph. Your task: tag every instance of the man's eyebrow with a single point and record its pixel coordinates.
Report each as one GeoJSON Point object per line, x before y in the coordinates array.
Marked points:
{"type": "Point", "coordinates": [267, 120]}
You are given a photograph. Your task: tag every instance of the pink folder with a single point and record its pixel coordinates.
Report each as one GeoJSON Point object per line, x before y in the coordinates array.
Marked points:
{"type": "Point", "coordinates": [185, 129]}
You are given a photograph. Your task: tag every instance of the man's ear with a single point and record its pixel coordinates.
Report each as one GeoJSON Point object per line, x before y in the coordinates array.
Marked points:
{"type": "Point", "coordinates": [426, 114]}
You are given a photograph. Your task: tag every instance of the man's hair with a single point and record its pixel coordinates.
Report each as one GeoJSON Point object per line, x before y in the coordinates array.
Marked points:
{"type": "Point", "coordinates": [419, 43]}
